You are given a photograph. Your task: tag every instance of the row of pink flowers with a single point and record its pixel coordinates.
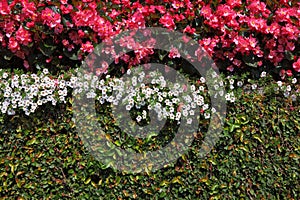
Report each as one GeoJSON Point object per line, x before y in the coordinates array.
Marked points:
{"type": "Point", "coordinates": [227, 30]}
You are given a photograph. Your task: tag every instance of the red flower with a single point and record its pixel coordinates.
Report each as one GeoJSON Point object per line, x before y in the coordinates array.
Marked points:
{"type": "Point", "coordinates": [296, 65]}
{"type": "Point", "coordinates": [168, 21]}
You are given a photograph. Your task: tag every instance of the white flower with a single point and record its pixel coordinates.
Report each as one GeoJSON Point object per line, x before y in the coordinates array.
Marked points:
{"type": "Point", "coordinates": [214, 74]}
{"type": "Point", "coordinates": [185, 113]}
{"type": "Point", "coordinates": [5, 75]}
{"type": "Point", "coordinates": [294, 97]}
{"type": "Point", "coordinates": [178, 115]}
{"type": "Point", "coordinates": [206, 115]}
{"type": "Point", "coordinates": [279, 83]}
{"type": "Point", "coordinates": [254, 86]}
{"type": "Point", "coordinates": [192, 112]}
{"type": "Point", "coordinates": [221, 93]}
{"type": "Point", "coordinates": [39, 102]}
{"type": "Point", "coordinates": [201, 88]}
{"type": "Point", "coordinates": [227, 96]}
{"type": "Point", "coordinates": [288, 88]}
{"type": "Point", "coordinates": [286, 94]}
{"type": "Point", "coordinates": [193, 105]}
{"type": "Point", "coordinates": [45, 71]}
{"type": "Point", "coordinates": [213, 110]}
{"type": "Point", "coordinates": [176, 86]}
{"type": "Point", "coordinates": [263, 74]}
{"type": "Point", "coordinates": [294, 80]}
{"type": "Point", "coordinates": [231, 81]}
{"type": "Point", "coordinates": [193, 88]}
{"type": "Point", "coordinates": [202, 79]}
{"type": "Point", "coordinates": [189, 121]}
{"type": "Point", "coordinates": [239, 83]}
{"type": "Point", "coordinates": [205, 107]}
{"type": "Point", "coordinates": [172, 116]}
{"type": "Point", "coordinates": [11, 112]}
{"type": "Point", "coordinates": [144, 114]}
{"type": "Point", "coordinates": [232, 99]}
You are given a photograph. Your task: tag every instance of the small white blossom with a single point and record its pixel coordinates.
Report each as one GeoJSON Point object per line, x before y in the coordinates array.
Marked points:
{"type": "Point", "coordinates": [239, 83]}
{"type": "Point", "coordinates": [254, 86]}
{"type": "Point", "coordinates": [263, 74]}
{"type": "Point", "coordinates": [279, 83]}
{"type": "Point", "coordinates": [206, 115]}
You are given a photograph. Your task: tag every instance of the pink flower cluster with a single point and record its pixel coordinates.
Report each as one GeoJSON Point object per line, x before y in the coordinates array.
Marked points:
{"type": "Point", "coordinates": [229, 30]}
{"type": "Point", "coordinates": [266, 30]}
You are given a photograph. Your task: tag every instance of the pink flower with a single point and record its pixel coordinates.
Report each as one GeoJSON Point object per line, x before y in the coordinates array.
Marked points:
{"type": "Point", "coordinates": [4, 9]}
{"type": "Point", "coordinates": [29, 11]}
{"type": "Point", "coordinates": [234, 3]}
{"type": "Point", "coordinates": [206, 11]}
{"type": "Point", "coordinates": [23, 36]}
{"type": "Point", "coordinates": [87, 47]}
{"type": "Point", "coordinates": [168, 21]}
{"type": "Point", "coordinates": [289, 72]}
{"type": "Point", "coordinates": [136, 21]}
{"type": "Point", "coordinates": [290, 46]}
{"type": "Point", "coordinates": [103, 69]}
{"type": "Point", "coordinates": [189, 30]}
{"type": "Point", "coordinates": [50, 18]}
{"type": "Point", "coordinates": [25, 63]}
{"type": "Point", "coordinates": [174, 53]}
{"type": "Point", "coordinates": [230, 68]}
{"type": "Point", "coordinates": [13, 44]}
{"type": "Point", "coordinates": [296, 65]}
{"type": "Point", "coordinates": [66, 9]}
{"type": "Point", "coordinates": [177, 4]}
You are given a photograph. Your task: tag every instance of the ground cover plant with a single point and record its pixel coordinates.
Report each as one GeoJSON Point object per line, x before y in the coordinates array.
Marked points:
{"type": "Point", "coordinates": [255, 45]}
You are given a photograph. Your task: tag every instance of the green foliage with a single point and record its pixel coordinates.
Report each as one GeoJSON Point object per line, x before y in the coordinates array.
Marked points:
{"type": "Point", "coordinates": [42, 157]}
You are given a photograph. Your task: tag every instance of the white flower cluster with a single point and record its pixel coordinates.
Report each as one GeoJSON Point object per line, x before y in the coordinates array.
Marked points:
{"type": "Point", "coordinates": [27, 92]}
{"type": "Point", "coordinates": [168, 100]}
{"type": "Point", "coordinates": [171, 100]}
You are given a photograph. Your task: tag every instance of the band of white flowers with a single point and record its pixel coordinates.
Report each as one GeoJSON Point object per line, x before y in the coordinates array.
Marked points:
{"type": "Point", "coordinates": [28, 91]}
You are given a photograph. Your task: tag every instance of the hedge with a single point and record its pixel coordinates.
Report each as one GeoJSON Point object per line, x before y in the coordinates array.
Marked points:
{"type": "Point", "coordinates": [257, 157]}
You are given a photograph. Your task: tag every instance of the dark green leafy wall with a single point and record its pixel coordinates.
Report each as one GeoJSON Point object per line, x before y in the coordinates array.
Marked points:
{"type": "Point", "coordinates": [42, 157]}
